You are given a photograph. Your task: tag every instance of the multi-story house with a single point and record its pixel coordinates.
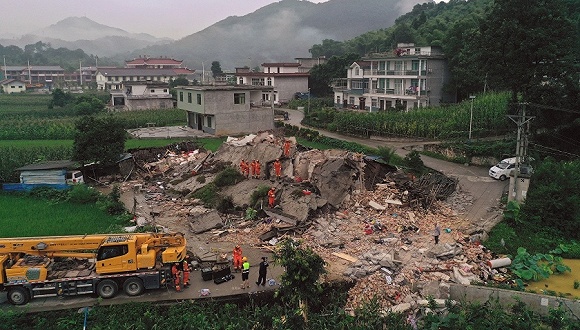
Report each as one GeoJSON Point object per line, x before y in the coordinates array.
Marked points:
{"type": "Point", "coordinates": [225, 109]}
{"type": "Point", "coordinates": [407, 78]}
{"type": "Point", "coordinates": [141, 95]}
{"type": "Point", "coordinates": [113, 78]}
{"type": "Point", "coordinates": [286, 79]}
{"type": "Point", "coordinates": [145, 62]}
{"type": "Point", "coordinates": [36, 76]}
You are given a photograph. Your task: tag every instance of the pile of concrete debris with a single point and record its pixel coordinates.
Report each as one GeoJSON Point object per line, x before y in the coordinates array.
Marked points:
{"type": "Point", "coordinates": [372, 223]}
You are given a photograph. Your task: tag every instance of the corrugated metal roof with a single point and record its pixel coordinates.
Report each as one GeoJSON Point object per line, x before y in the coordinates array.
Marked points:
{"type": "Point", "coordinates": [51, 164]}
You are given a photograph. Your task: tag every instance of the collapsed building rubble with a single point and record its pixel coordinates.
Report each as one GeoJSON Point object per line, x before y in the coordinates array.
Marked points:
{"type": "Point", "coordinates": [369, 221]}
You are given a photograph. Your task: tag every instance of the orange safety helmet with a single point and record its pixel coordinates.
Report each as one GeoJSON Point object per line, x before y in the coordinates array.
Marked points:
{"type": "Point", "coordinates": [244, 259]}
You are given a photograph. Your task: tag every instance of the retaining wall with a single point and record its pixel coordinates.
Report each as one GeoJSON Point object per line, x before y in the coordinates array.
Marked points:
{"type": "Point", "coordinates": [537, 303]}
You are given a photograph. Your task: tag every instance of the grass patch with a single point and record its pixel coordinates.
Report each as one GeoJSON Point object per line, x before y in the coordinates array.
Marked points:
{"type": "Point", "coordinates": [314, 145]}
{"type": "Point", "coordinates": [23, 217]}
{"type": "Point", "coordinates": [208, 143]}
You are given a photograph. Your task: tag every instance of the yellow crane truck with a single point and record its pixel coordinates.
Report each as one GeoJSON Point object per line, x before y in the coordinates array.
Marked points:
{"type": "Point", "coordinates": [73, 265]}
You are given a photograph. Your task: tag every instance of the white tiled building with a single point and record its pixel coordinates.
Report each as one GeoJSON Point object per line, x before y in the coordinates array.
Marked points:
{"type": "Point", "coordinates": [409, 77]}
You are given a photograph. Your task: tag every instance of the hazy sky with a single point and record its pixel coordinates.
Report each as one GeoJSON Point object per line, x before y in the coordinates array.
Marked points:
{"type": "Point", "coordinates": [161, 18]}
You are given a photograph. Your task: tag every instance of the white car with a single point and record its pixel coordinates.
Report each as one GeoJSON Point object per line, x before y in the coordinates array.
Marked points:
{"type": "Point", "coordinates": [502, 170]}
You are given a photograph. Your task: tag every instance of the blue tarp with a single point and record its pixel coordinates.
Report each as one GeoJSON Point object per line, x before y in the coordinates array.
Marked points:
{"type": "Point", "coordinates": [28, 187]}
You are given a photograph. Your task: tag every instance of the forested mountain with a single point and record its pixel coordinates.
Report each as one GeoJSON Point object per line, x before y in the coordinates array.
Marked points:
{"type": "Point", "coordinates": [281, 31]}
{"type": "Point", "coordinates": [43, 54]}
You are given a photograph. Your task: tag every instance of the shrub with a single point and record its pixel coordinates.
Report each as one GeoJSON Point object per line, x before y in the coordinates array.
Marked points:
{"type": "Point", "coordinates": [228, 177]}
{"type": "Point", "coordinates": [207, 194]}
{"type": "Point", "coordinates": [83, 194]}
{"type": "Point", "coordinates": [413, 162]}
{"type": "Point", "coordinates": [386, 153]}
{"type": "Point", "coordinates": [112, 202]}
{"type": "Point", "coordinates": [224, 204]}
{"type": "Point", "coordinates": [259, 194]}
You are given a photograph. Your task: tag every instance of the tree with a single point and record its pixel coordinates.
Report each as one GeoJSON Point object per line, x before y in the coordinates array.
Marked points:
{"type": "Point", "coordinates": [216, 69]}
{"type": "Point", "coordinates": [524, 44]}
{"type": "Point", "coordinates": [99, 140]}
{"type": "Point", "coordinates": [179, 81]}
{"type": "Point", "coordinates": [88, 105]}
{"type": "Point", "coordinates": [60, 98]}
{"type": "Point", "coordinates": [300, 281]}
{"type": "Point", "coordinates": [321, 75]}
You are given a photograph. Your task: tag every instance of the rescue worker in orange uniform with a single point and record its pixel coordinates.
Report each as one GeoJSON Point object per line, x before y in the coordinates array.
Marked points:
{"type": "Point", "coordinates": [287, 148]}
{"type": "Point", "coordinates": [186, 272]}
{"type": "Point", "coordinates": [258, 168]}
{"type": "Point", "coordinates": [243, 166]}
{"type": "Point", "coordinates": [272, 197]}
{"type": "Point", "coordinates": [176, 273]}
{"type": "Point", "coordinates": [237, 258]}
{"type": "Point", "coordinates": [253, 168]}
{"type": "Point", "coordinates": [278, 168]}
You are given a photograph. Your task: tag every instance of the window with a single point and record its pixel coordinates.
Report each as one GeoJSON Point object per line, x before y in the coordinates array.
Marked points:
{"type": "Point", "coordinates": [165, 90]}
{"type": "Point", "coordinates": [338, 99]}
{"type": "Point", "coordinates": [417, 51]}
{"type": "Point", "coordinates": [152, 91]}
{"type": "Point", "coordinates": [351, 100]}
{"type": "Point", "coordinates": [199, 99]}
{"type": "Point", "coordinates": [239, 98]}
{"type": "Point", "coordinates": [258, 81]}
{"type": "Point", "coordinates": [107, 252]}
{"type": "Point", "coordinates": [269, 81]}
{"type": "Point", "coordinates": [356, 71]}
{"type": "Point", "coordinates": [415, 65]}
{"type": "Point", "coordinates": [189, 98]}
{"type": "Point", "coordinates": [180, 96]}
{"type": "Point", "coordinates": [241, 80]}
{"type": "Point", "coordinates": [208, 121]}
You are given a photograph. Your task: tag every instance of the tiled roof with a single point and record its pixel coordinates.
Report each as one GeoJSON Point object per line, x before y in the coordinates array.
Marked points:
{"type": "Point", "coordinates": [115, 72]}
{"type": "Point", "coordinates": [280, 65]}
{"type": "Point", "coordinates": [49, 165]}
{"type": "Point", "coordinates": [34, 68]}
{"type": "Point", "coordinates": [153, 61]}
{"type": "Point", "coordinates": [272, 74]}
{"type": "Point", "coordinates": [183, 71]}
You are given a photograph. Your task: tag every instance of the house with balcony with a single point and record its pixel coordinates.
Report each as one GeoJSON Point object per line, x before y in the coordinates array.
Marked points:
{"type": "Point", "coordinates": [409, 77]}
{"type": "Point", "coordinates": [286, 79]}
{"type": "Point", "coordinates": [141, 95]}
{"type": "Point", "coordinates": [225, 109]}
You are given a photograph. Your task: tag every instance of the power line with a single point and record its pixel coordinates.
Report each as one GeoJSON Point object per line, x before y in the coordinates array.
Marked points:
{"type": "Point", "coordinates": [553, 108]}
{"type": "Point", "coordinates": [555, 151]}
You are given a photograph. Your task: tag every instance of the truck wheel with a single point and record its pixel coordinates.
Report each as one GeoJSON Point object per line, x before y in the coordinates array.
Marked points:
{"type": "Point", "coordinates": [133, 286]}
{"type": "Point", "coordinates": [18, 296]}
{"type": "Point", "coordinates": [107, 289]}
{"type": "Point", "coordinates": [502, 178]}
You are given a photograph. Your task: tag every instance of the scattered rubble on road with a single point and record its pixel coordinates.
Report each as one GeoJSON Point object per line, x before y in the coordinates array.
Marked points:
{"type": "Point", "coordinates": [371, 222]}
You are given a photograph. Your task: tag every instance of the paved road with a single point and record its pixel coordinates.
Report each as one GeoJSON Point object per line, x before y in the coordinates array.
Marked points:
{"type": "Point", "coordinates": [473, 180]}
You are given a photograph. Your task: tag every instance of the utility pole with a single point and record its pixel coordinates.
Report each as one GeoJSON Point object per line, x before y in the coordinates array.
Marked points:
{"type": "Point", "coordinates": [517, 181]}
{"type": "Point", "coordinates": [472, 97]}
{"type": "Point", "coordinates": [5, 74]}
